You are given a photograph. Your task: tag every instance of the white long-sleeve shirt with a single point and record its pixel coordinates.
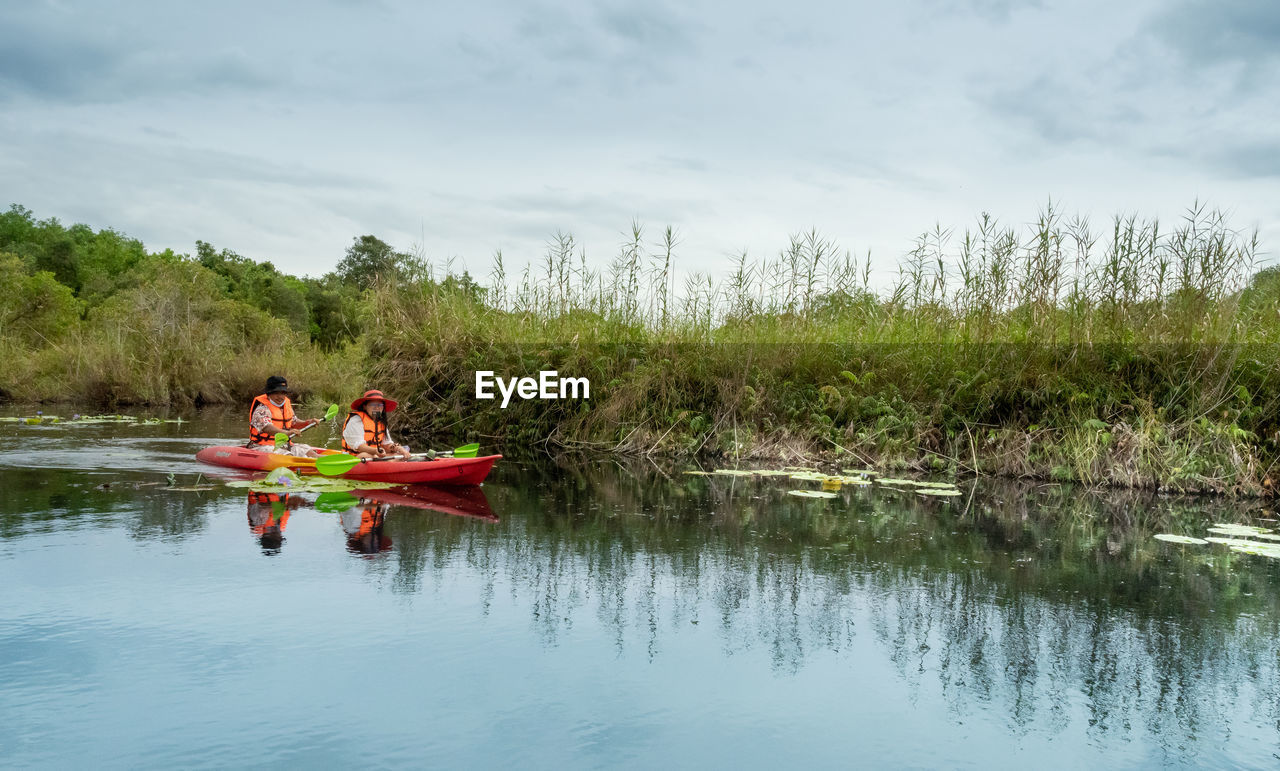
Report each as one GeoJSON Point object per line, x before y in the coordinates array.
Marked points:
{"type": "Point", "coordinates": [353, 432]}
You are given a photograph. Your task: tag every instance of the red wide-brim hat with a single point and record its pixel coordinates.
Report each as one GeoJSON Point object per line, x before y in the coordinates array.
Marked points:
{"type": "Point", "coordinates": [373, 394]}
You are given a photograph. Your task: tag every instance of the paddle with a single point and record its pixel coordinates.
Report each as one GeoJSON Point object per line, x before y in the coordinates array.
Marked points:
{"type": "Point", "coordinates": [465, 451]}
{"type": "Point", "coordinates": [335, 503]}
{"type": "Point", "coordinates": [282, 438]}
{"type": "Point", "coordinates": [340, 463]}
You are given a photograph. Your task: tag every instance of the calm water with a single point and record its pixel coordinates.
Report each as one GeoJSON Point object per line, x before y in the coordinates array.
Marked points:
{"type": "Point", "coordinates": [587, 614]}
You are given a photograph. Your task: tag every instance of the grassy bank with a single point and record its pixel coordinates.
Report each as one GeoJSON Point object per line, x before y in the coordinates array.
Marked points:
{"type": "Point", "coordinates": [1133, 354]}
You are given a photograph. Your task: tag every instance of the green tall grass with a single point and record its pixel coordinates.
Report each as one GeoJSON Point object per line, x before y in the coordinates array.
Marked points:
{"type": "Point", "coordinates": [1136, 353]}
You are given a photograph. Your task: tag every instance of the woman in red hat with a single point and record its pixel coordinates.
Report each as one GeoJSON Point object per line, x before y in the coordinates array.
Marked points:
{"type": "Point", "coordinates": [365, 432]}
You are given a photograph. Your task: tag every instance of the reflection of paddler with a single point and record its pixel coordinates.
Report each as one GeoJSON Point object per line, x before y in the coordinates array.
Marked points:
{"type": "Point", "coordinates": [363, 526]}
{"type": "Point", "coordinates": [268, 516]}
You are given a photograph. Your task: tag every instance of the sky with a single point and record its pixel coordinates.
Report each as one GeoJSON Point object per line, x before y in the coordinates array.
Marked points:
{"type": "Point", "coordinates": [284, 130]}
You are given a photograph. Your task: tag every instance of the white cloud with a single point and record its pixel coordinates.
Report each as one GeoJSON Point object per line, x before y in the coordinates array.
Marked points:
{"type": "Point", "coordinates": [282, 132]}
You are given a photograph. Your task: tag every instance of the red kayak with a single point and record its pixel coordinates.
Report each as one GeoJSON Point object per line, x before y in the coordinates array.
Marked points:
{"type": "Point", "coordinates": [441, 471]}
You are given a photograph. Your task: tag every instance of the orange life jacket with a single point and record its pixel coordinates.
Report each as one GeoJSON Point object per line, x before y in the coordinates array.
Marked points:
{"type": "Point", "coordinates": [267, 504]}
{"type": "Point", "coordinates": [370, 519]}
{"type": "Point", "coordinates": [375, 431]}
{"type": "Point", "coordinates": [369, 538]}
{"type": "Point", "coordinates": [281, 417]}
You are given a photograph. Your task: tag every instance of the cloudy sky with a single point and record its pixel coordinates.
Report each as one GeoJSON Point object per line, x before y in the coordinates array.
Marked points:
{"type": "Point", "coordinates": [283, 130]}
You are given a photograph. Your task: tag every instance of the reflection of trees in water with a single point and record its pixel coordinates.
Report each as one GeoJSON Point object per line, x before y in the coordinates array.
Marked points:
{"type": "Point", "coordinates": [38, 500]}
{"type": "Point", "coordinates": [1029, 599]}
{"type": "Point", "coordinates": [1029, 654]}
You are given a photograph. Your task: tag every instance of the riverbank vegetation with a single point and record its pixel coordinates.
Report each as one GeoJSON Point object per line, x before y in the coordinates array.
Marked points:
{"type": "Point", "coordinates": [1135, 353]}
{"type": "Point", "coordinates": [94, 317]}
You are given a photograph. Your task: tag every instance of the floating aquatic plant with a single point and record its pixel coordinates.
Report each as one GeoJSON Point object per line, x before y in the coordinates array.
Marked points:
{"type": "Point", "coordinates": [1271, 551]}
{"type": "Point", "coordinates": [283, 476]}
{"type": "Point", "coordinates": [1171, 538]}
{"type": "Point", "coordinates": [1243, 529]}
{"type": "Point", "coordinates": [82, 420]}
{"type": "Point", "coordinates": [810, 494]}
{"type": "Point", "coordinates": [1234, 542]}
{"type": "Point", "coordinates": [857, 481]}
{"type": "Point", "coordinates": [309, 485]}
{"type": "Point", "coordinates": [809, 476]}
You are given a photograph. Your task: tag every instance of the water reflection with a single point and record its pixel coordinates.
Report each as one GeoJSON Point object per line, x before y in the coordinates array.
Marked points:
{"type": "Point", "coordinates": [363, 525]}
{"type": "Point", "coordinates": [269, 516]}
{"type": "Point", "coordinates": [1046, 608]}
{"type": "Point", "coordinates": [362, 517]}
{"type": "Point", "coordinates": [1045, 603]}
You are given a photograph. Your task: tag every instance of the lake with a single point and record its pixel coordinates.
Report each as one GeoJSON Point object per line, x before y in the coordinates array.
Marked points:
{"type": "Point", "coordinates": [596, 612]}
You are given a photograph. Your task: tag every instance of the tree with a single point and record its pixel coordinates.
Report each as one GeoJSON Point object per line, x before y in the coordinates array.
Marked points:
{"type": "Point", "coordinates": [34, 308]}
{"type": "Point", "coordinates": [370, 259]}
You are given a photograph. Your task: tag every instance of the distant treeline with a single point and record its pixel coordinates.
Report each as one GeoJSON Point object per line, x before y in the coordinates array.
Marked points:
{"type": "Point", "coordinates": [92, 315]}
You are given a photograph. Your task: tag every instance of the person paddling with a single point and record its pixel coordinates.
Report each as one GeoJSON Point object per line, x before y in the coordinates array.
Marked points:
{"type": "Point", "coordinates": [270, 413]}
{"type": "Point", "coordinates": [364, 434]}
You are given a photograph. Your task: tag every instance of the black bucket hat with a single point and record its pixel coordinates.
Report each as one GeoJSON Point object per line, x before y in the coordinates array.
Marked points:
{"type": "Point", "coordinates": [276, 384]}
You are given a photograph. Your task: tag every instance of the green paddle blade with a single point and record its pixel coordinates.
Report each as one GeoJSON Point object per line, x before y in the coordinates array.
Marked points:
{"type": "Point", "coordinates": [336, 464]}
{"type": "Point", "coordinates": [329, 413]}
{"type": "Point", "coordinates": [466, 450]}
{"type": "Point", "coordinates": [334, 503]}
{"type": "Point", "coordinates": [282, 439]}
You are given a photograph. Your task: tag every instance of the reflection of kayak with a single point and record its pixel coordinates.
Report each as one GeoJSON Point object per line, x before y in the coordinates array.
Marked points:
{"type": "Point", "coordinates": [441, 471]}
{"type": "Point", "coordinates": [463, 502]}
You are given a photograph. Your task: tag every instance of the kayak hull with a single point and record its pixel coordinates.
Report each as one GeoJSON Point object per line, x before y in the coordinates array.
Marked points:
{"type": "Point", "coordinates": [441, 471]}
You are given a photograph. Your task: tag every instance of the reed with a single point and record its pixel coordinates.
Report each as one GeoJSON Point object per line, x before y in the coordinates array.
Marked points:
{"type": "Point", "coordinates": [1135, 354]}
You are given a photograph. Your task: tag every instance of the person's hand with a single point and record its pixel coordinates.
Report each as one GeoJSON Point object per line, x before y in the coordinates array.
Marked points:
{"type": "Point", "coordinates": [292, 432]}
{"type": "Point", "coordinates": [404, 452]}
{"type": "Point", "coordinates": [382, 450]}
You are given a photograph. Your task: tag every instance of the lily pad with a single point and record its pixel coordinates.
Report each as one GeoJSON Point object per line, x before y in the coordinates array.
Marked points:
{"type": "Point", "coordinates": [810, 494]}
{"type": "Point", "coordinates": [191, 488]}
{"type": "Point", "coordinates": [1241, 528]}
{"type": "Point", "coordinates": [937, 491]}
{"type": "Point", "coordinates": [284, 477]}
{"type": "Point", "coordinates": [809, 476]}
{"type": "Point", "coordinates": [733, 472]}
{"type": "Point", "coordinates": [1179, 538]}
{"type": "Point", "coordinates": [698, 473]}
{"type": "Point", "coordinates": [1235, 542]}
{"type": "Point", "coordinates": [324, 484]}
{"type": "Point", "coordinates": [1271, 551]}
{"type": "Point", "coordinates": [856, 481]}
{"type": "Point", "coordinates": [891, 481]}
{"type": "Point", "coordinates": [866, 472]}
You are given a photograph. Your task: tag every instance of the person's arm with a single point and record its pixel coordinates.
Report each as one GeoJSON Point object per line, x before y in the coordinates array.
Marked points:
{"type": "Point", "coordinates": [261, 419]}
{"type": "Point", "coordinates": [296, 425]}
{"type": "Point", "coordinates": [392, 447]}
